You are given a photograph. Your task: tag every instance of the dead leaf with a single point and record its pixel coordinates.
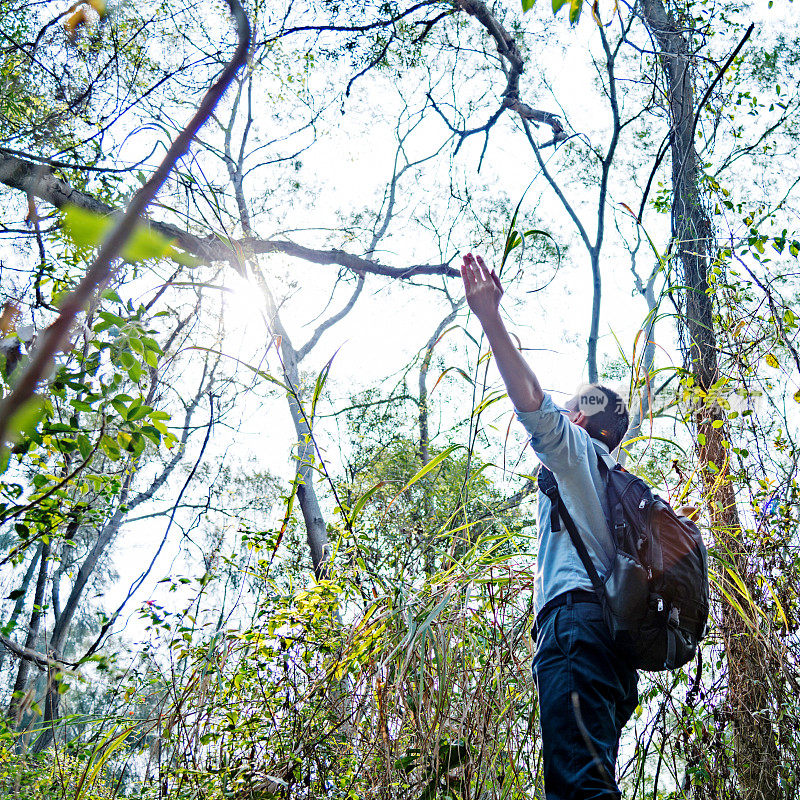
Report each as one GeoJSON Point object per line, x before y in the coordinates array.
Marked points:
{"type": "Point", "coordinates": [79, 17]}
{"type": "Point", "coordinates": [9, 317]}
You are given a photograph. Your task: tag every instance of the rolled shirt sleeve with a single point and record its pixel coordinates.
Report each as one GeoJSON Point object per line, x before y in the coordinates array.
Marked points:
{"type": "Point", "coordinates": [559, 444]}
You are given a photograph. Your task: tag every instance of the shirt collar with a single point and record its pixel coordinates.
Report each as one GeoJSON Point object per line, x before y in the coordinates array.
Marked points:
{"type": "Point", "coordinates": [597, 442]}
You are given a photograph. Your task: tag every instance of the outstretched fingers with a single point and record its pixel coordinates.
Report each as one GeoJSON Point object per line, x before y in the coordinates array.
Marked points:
{"type": "Point", "coordinates": [467, 273]}
{"type": "Point", "coordinates": [477, 268]}
{"type": "Point", "coordinates": [478, 278]}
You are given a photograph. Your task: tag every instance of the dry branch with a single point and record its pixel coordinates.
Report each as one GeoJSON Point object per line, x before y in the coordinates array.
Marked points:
{"type": "Point", "coordinates": [26, 653]}
{"type": "Point", "coordinates": [34, 179]}
{"type": "Point", "coordinates": [509, 53]}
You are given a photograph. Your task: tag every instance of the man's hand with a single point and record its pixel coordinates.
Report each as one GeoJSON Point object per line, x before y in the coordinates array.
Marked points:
{"type": "Point", "coordinates": [482, 288]}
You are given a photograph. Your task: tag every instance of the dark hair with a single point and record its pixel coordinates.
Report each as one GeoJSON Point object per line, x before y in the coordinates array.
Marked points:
{"type": "Point", "coordinates": [606, 414]}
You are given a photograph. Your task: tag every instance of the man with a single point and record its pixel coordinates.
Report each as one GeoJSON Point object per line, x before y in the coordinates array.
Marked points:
{"type": "Point", "coordinates": [586, 692]}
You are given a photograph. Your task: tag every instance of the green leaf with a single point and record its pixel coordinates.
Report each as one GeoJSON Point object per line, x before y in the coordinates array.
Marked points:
{"type": "Point", "coordinates": [110, 447]}
{"type": "Point", "coordinates": [146, 243]}
{"type": "Point", "coordinates": [460, 371]}
{"type": "Point", "coordinates": [112, 319]}
{"type": "Point", "coordinates": [406, 762]}
{"type": "Point", "coordinates": [153, 434]}
{"type": "Point", "coordinates": [102, 752]}
{"type": "Point", "coordinates": [111, 294]}
{"type": "Point", "coordinates": [150, 358]}
{"type": "Point", "coordinates": [426, 623]}
{"type": "Point", "coordinates": [362, 502]}
{"type": "Point", "coordinates": [136, 345]}
{"type": "Point", "coordinates": [24, 422]}
{"type": "Point", "coordinates": [185, 259]}
{"type": "Point", "coordinates": [527, 5]}
{"type": "Point", "coordinates": [138, 443]}
{"type": "Point", "coordinates": [85, 446]}
{"type": "Point", "coordinates": [88, 229]}
{"type": "Point", "coordinates": [772, 361]}
{"type": "Point", "coordinates": [515, 238]}
{"type": "Point", "coordinates": [320, 384]}
{"type": "Point", "coordinates": [85, 228]}
{"type": "Point", "coordinates": [137, 412]}
{"type": "Point", "coordinates": [575, 7]}
{"type": "Point", "coordinates": [492, 398]}
{"type": "Point", "coordinates": [152, 344]}
{"type": "Point", "coordinates": [557, 5]}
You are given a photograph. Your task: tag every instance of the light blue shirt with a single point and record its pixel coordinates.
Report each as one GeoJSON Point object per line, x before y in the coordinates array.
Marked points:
{"type": "Point", "coordinates": [569, 452]}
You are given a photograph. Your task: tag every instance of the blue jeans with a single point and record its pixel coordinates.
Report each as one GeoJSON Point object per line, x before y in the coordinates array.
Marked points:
{"type": "Point", "coordinates": [586, 695]}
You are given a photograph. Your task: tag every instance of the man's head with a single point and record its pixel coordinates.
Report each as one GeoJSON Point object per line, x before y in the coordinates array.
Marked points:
{"type": "Point", "coordinates": [601, 412]}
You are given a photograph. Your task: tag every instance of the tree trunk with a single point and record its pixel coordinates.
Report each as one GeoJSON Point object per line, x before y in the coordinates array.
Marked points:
{"type": "Point", "coordinates": [756, 759]}
{"type": "Point", "coordinates": [15, 707]}
{"type": "Point", "coordinates": [20, 603]}
{"type": "Point", "coordinates": [316, 529]}
{"type": "Point", "coordinates": [646, 365]}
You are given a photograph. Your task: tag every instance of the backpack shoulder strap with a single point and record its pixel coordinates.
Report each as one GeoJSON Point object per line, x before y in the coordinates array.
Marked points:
{"type": "Point", "coordinates": [604, 459]}
{"type": "Point", "coordinates": [616, 515]}
{"type": "Point", "coordinates": [549, 486]}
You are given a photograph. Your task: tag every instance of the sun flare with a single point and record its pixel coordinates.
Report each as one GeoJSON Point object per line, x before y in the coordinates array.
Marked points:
{"type": "Point", "coordinates": [243, 306]}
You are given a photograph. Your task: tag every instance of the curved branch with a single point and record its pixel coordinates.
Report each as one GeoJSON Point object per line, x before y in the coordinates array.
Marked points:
{"type": "Point", "coordinates": [352, 262]}
{"type": "Point", "coordinates": [557, 189]}
{"type": "Point", "coordinates": [27, 654]}
{"type": "Point", "coordinates": [332, 320]}
{"type": "Point", "coordinates": [510, 55]}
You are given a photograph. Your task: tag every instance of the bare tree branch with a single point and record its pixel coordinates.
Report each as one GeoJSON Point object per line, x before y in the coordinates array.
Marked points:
{"type": "Point", "coordinates": [332, 320]}
{"type": "Point", "coordinates": [39, 659]}
{"type": "Point", "coordinates": [25, 176]}
{"type": "Point", "coordinates": [513, 67]}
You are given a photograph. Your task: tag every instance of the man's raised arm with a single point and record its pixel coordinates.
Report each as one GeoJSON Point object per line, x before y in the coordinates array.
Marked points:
{"type": "Point", "coordinates": [483, 290]}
